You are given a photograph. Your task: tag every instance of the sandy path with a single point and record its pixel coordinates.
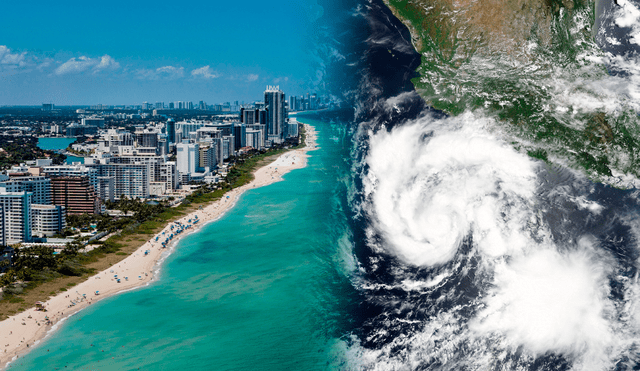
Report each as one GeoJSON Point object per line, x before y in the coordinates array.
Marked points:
{"type": "Point", "coordinates": [26, 329]}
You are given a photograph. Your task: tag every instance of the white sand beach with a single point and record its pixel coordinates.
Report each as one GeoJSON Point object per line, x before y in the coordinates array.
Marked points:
{"type": "Point", "coordinates": [26, 329]}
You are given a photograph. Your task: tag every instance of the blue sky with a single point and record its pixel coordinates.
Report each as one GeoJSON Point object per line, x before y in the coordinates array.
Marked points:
{"type": "Point", "coordinates": [127, 52]}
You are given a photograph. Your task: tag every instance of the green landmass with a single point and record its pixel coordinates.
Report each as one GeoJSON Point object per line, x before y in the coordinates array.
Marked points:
{"type": "Point", "coordinates": [16, 150]}
{"type": "Point", "coordinates": [520, 62]}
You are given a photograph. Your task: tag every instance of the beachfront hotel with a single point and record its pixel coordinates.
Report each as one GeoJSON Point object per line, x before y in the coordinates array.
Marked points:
{"type": "Point", "coordinates": [47, 220]}
{"type": "Point", "coordinates": [38, 186]}
{"type": "Point", "coordinates": [15, 215]}
{"type": "Point", "coordinates": [76, 194]}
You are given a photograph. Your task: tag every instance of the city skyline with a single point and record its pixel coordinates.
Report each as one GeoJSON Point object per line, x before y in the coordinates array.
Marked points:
{"type": "Point", "coordinates": [80, 54]}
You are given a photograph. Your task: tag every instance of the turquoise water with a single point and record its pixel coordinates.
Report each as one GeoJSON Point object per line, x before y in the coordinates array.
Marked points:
{"type": "Point", "coordinates": [72, 159]}
{"type": "Point", "coordinates": [59, 143]}
{"type": "Point", "coordinates": [265, 287]}
{"type": "Point", "coordinates": [55, 143]}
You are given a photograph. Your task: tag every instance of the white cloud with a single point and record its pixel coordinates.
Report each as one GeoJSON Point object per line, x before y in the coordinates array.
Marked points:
{"type": "Point", "coordinates": [166, 72]}
{"type": "Point", "coordinates": [205, 73]}
{"type": "Point", "coordinates": [429, 192]}
{"type": "Point", "coordinates": [81, 64]}
{"type": "Point", "coordinates": [553, 302]}
{"type": "Point", "coordinates": [252, 77]}
{"type": "Point", "coordinates": [107, 63]}
{"type": "Point", "coordinates": [628, 16]}
{"type": "Point", "coordinates": [45, 64]}
{"type": "Point", "coordinates": [75, 65]}
{"type": "Point", "coordinates": [11, 60]}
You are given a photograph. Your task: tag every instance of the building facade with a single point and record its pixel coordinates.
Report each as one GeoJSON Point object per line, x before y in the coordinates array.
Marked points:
{"type": "Point", "coordinates": [171, 130]}
{"type": "Point", "coordinates": [47, 220]}
{"type": "Point", "coordinates": [39, 186]}
{"type": "Point", "coordinates": [188, 157]}
{"type": "Point", "coordinates": [274, 100]}
{"type": "Point", "coordinates": [106, 188]}
{"type": "Point", "coordinates": [15, 210]}
{"type": "Point", "coordinates": [72, 170]}
{"type": "Point", "coordinates": [130, 179]}
{"type": "Point", "coordinates": [76, 194]}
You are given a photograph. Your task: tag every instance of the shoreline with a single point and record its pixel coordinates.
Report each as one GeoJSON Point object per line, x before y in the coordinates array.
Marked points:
{"type": "Point", "coordinates": [23, 331]}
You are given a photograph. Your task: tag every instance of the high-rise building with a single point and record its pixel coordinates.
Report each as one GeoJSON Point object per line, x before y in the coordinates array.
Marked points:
{"type": "Point", "coordinates": [146, 139]}
{"type": "Point", "coordinates": [75, 130]}
{"type": "Point", "coordinates": [187, 157]}
{"type": "Point", "coordinates": [38, 186]}
{"type": "Point", "coordinates": [93, 121]}
{"type": "Point", "coordinates": [169, 175]}
{"type": "Point", "coordinates": [292, 131]}
{"type": "Point", "coordinates": [15, 212]}
{"type": "Point", "coordinates": [163, 145]}
{"type": "Point", "coordinates": [228, 145]}
{"type": "Point", "coordinates": [171, 131]}
{"type": "Point", "coordinates": [248, 116]}
{"type": "Point", "coordinates": [47, 220]}
{"type": "Point", "coordinates": [208, 160]}
{"type": "Point", "coordinates": [76, 194]}
{"type": "Point", "coordinates": [219, 148]}
{"type": "Point", "coordinates": [254, 138]}
{"type": "Point", "coordinates": [106, 188]}
{"type": "Point", "coordinates": [187, 127]}
{"type": "Point", "coordinates": [72, 170]}
{"type": "Point", "coordinates": [239, 132]}
{"type": "Point", "coordinates": [131, 177]}
{"type": "Point", "coordinates": [274, 100]}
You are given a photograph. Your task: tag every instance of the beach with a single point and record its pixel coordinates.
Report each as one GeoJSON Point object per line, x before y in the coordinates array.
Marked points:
{"type": "Point", "coordinates": [26, 329]}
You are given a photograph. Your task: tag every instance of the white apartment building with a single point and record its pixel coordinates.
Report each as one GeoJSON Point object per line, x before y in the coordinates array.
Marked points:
{"type": "Point", "coordinates": [130, 180]}
{"type": "Point", "coordinates": [169, 175]}
{"type": "Point", "coordinates": [254, 138]}
{"type": "Point", "coordinates": [15, 212]}
{"type": "Point", "coordinates": [106, 188]}
{"type": "Point", "coordinates": [292, 131]}
{"type": "Point", "coordinates": [47, 220]}
{"type": "Point", "coordinates": [188, 157]}
{"type": "Point", "coordinates": [39, 186]}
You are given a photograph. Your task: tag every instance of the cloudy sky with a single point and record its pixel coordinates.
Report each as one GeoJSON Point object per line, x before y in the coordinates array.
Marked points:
{"type": "Point", "coordinates": [124, 52]}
